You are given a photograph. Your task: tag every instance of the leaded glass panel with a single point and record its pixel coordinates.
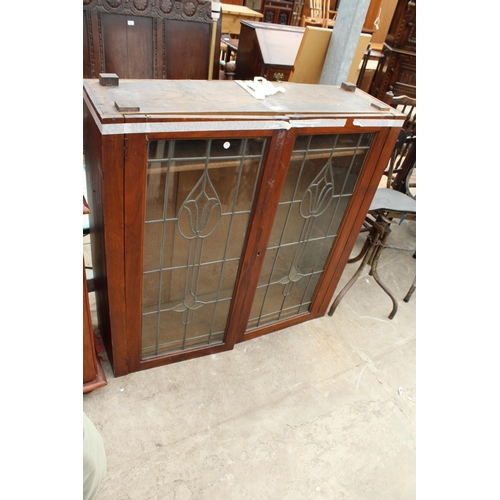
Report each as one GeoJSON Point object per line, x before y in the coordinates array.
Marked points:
{"type": "Point", "coordinates": [320, 181]}
{"type": "Point", "coordinates": [199, 196]}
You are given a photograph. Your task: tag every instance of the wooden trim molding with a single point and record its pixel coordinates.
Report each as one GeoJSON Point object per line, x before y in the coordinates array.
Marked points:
{"type": "Point", "coordinates": [185, 10]}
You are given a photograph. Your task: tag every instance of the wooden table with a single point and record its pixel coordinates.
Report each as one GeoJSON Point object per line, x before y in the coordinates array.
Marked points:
{"type": "Point", "coordinates": [233, 14]}
{"type": "Point", "coordinates": [229, 46]}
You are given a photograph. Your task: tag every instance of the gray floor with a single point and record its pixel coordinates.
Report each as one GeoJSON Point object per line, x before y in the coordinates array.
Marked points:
{"type": "Point", "coordinates": [325, 409]}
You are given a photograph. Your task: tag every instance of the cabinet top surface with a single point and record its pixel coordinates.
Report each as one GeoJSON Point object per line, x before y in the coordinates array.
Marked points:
{"type": "Point", "coordinates": [140, 99]}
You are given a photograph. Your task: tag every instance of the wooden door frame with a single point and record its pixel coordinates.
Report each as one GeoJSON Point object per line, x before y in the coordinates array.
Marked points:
{"type": "Point", "coordinates": [251, 261]}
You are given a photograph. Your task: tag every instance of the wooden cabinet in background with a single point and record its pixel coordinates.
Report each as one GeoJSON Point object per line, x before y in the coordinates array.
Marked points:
{"type": "Point", "coordinates": [149, 39]}
{"type": "Point", "coordinates": [267, 50]}
{"type": "Point", "coordinates": [278, 11]}
{"type": "Point", "coordinates": [216, 217]}
{"type": "Point", "coordinates": [397, 71]}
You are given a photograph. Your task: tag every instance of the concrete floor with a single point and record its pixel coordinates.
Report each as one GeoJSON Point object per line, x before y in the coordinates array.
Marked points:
{"type": "Point", "coordinates": [325, 409]}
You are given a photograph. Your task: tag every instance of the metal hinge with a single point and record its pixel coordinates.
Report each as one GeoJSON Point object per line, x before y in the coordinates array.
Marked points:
{"type": "Point", "coordinates": [127, 361]}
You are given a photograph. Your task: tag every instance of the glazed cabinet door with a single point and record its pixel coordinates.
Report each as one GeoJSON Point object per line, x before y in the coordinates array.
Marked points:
{"type": "Point", "coordinates": [195, 204]}
{"type": "Point", "coordinates": [320, 182]}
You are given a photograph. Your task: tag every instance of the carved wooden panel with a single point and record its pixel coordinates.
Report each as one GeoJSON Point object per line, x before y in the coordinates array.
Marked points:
{"type": "Point", "coordinates": [278, 11]}
{"type": "Point", "coordinates": [148, 38]}
{"type": "Point", "coordinates": [398, 74]}
{"type": "Point", "coordinates": [397, 70]}
{"type": "Point", "coordinates": [403, 30]}
{"type": "Point", "coordinates": [187, 10]}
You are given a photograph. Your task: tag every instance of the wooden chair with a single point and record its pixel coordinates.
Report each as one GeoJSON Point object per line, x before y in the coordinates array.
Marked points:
{"type": "Point", "coordinates": [387, 205]}
{"type": "Point", "coordinates": [401, 174]}
{"type": "Point", "coordinates": [371, 60]}
{"type": "Point", "coordinates": [407, 106]}
{"type": "Point", "coordinates": [321, 15]}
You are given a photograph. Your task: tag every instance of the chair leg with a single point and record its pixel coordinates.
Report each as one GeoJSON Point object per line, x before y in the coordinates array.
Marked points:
{"type": "Point", "coordinates": [371, 251]}
{"type": "Point", "coordinates": [374, 273]}
{"type": "Point", "coordinates": [362, 253]}
{"type": "Point", "coordinates": [390, 172]}
{"type": "Point", "coordinates": [411, 290]}
{"type": "Point", "coordinates": [369, 248]}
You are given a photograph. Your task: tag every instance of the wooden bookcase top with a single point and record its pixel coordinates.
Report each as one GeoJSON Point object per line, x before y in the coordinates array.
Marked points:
{"type": "Point", "coordinates": [150, 99]}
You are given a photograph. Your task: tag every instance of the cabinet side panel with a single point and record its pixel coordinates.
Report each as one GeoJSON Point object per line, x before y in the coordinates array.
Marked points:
{"type": "Point", "coordinates": [135, 189]}
{"type": "Point", "coordinates": [113, 210]}
{"type": "Point", "coordinates": [92, 145]}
